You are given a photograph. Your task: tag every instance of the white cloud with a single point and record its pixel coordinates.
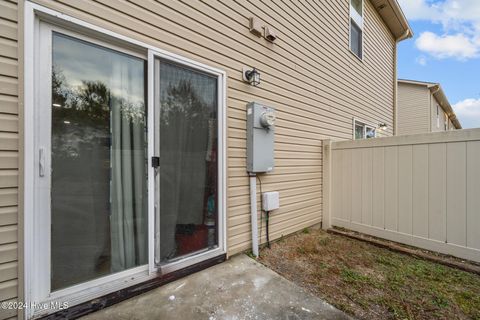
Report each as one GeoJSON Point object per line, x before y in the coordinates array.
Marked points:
{"type": "Point", "coordinates": [418, 9]}
{"type": "Point", "coordinates": [457, 46]}
{"type": "Point", "coordinates": [460, 20]}
{"type": "Point", "coordinates": [451, 13]}
{"type": "Point", "coordinates": [421, 60]}
{"type": "Point", "coordinates": [468, 111]}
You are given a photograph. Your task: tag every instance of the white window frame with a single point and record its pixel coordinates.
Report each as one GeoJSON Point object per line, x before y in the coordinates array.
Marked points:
{"type": "Point", "coordinates": [34, 249]}
{"type": "Point", "coordinates": [358, 20]}
{"type": "Point", "coordinates": [366, 126]}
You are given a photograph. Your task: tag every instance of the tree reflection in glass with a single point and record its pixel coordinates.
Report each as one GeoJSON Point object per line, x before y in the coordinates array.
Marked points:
{"type": "Point", "coordinates": [98, 179]}
{"type": "Point", "coordinates": [188, 160]}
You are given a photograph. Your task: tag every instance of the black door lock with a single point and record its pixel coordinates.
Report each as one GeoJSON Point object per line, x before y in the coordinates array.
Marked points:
{"type": "Point", "coordinates": [155, 162]}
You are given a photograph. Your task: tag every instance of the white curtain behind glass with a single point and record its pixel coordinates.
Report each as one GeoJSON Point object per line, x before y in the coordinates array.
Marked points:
{"type": "Point", "coordinates": [188, 101]}
{"type": "Point", "coordinates": [128, 187]}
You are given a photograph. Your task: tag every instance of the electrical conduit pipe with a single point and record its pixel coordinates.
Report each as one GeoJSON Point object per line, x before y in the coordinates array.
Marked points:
{"type": "Point", "coordinates": [253, 213]}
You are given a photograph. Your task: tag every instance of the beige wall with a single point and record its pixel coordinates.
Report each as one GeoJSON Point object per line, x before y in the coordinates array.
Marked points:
{"type": "Point", "coordinates": [309, 75]}
{"type": "Point", "coordinates": [420, 190]}
{"type": "Point", "coordinates": [9, 161]}
{"type": "Point", "coordinates": [417, 110]}
{"type": "Point", "coordinates": [413, 111]}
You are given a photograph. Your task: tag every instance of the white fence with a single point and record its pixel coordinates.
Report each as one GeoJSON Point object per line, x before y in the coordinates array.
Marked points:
{"type": "Point", "coordinates": [421, 190]}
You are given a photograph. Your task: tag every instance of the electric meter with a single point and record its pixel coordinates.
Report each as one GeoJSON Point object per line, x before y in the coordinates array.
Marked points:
{"type": "Point", "coordinates": [260, 137]}
{"type": "Point", "coordinates": [267, 118]}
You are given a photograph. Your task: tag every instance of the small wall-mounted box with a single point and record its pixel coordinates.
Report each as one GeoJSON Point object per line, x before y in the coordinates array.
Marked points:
{"type": "Point", "coordinates": [260, 138]}
{"type": "Point", "coordinates": [255, 26]}
{"type": "Point", "coordinates": [270, 201]}
{"type": "Point", "coordinates": [270, 34]}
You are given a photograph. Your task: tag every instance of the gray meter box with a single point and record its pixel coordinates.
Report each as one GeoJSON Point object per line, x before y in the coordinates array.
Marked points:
{"type": "Point", "coordinates": [260, 138]}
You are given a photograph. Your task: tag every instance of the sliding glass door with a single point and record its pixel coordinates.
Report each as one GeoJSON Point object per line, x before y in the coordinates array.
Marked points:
{"type": "Point", "coordinates": [126, 171]}
{"type": "Point", "coordinates": [186, 113]}
{"type": "Point", "coordinates": [98, 162]}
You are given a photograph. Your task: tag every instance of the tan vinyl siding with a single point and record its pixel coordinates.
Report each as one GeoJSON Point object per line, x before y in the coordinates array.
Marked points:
{"type": "Point", "coordinates": [309, 75]}
{"type": "Point", "coordinates": [413, 111]}
{"type": "Point", "coordinates": [8, 154]}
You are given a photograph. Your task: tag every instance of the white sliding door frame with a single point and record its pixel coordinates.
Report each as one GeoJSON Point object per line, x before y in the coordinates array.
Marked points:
{"type": "Point", "coordinates": [39, 24]}
{"type": "Point", "coordinates": [195, 257]}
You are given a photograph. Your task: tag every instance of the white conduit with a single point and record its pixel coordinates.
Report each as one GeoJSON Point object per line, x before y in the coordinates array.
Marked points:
{"type": "Point", "coordinates": [253, 211]}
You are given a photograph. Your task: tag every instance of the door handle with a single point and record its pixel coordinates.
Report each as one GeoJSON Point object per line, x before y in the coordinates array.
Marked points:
{"type": "Point", "coordinates": [156, 162]}
{"type": "Point", "coordinates": [41, 162]}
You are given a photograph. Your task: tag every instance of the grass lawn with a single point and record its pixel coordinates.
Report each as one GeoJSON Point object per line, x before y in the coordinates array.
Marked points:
{"type": "Point", "coordinates": [369, 282]}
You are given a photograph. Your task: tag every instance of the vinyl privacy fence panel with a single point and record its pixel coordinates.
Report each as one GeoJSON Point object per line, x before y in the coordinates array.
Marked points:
{"type": "Point", "coordinates": [421, 190]}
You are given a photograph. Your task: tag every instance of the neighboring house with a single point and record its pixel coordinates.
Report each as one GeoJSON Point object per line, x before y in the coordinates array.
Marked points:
{"type": "Point", "coordinates": [423, 107]}
{"type": "Point", "coordinates": [123, 132]}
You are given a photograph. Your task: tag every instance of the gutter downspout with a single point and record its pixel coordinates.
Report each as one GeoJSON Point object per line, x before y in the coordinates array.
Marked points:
{"type": "Point", "coordinates": [253, 213]}
{"type": "Point", "coordinates": [407, 34]}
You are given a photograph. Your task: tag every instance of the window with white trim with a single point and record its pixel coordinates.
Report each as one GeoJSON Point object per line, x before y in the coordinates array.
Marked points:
{"type": "Point", "coordinates": [364, 131]}
{"type": "Point", "coordinates": [356, 27]}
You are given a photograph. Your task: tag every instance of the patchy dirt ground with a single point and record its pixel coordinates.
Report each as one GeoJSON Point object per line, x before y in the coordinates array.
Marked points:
{"type": "Point", "coordinates": [369, 282]}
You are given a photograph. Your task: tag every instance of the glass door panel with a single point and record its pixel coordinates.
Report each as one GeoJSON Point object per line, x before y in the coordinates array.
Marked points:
{"type": "Point", "coordinates": [98, 162]}
{"type": "Point", "coordinates": [186, 103]}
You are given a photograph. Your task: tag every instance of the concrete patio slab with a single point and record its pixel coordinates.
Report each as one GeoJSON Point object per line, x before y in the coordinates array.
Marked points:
{"type": "Point", "coordinates": [240, 288]}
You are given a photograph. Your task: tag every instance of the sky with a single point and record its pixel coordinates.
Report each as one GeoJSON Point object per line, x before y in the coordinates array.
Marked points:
{"type": "Point", "coordinates": [445, 49]}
